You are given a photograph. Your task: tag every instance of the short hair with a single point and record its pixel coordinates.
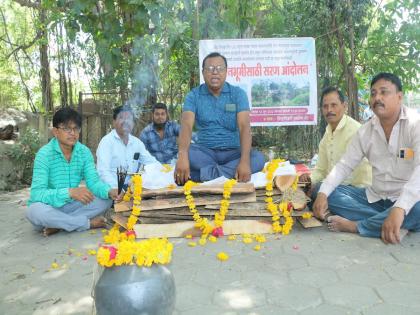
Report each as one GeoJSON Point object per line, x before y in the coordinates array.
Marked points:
{"type": "Point", "coordinates": [388, 77]}
{"type": "Point", "coordinates": [159, 106]}
{"type": "Point", "coordinates": [331, 89]}
{"type": "Point", "coordinates": [66, 115]}
{"type": "Point", "coordinates": [214, 55]}
{"type": "Point", "coordinates": [121, 109]}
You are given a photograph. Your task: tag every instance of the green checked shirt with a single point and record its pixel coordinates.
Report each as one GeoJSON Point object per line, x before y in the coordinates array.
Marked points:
{"type": "Point", "coordinates": [53, 175]}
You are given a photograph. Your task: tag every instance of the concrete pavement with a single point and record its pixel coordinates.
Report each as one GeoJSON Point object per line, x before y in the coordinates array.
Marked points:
{"type": "Point", "coordinates": [310, 271]}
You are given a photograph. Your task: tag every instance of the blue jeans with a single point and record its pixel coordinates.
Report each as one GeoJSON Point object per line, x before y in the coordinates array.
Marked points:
{"type": "Point", "coordinates": [351, 203]}
{"type": "Point", "coordinates": [73, 216]}
{"type": "Point", "coordinates": [207, 164]}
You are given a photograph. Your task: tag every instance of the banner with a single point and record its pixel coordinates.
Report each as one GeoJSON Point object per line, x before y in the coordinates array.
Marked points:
{"type": "Point", "coordinates": [278, 75]}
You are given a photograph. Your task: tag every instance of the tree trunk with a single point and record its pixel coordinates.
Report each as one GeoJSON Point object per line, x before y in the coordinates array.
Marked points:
{"type": "Point", "coordinates": [61, 67]}
{"type": "Point", "coordinates": [69, 65]}
{"type": "Point", "coordinates": [45, 76]}
{"type": "Point", "coordinates": [352, 82]}
{"type": "Point", "coordinates": [348, 69]}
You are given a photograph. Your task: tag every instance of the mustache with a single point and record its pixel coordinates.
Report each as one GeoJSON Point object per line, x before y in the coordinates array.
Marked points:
{"type": "Point", "coordinates": [377, 103]}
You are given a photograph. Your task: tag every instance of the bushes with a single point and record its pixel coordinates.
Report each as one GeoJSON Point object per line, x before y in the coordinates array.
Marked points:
{"type": "Point", "coordinates": [22, 154]}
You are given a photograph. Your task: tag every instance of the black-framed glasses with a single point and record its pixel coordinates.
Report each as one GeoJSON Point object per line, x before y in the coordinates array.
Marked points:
{"type": "Point", "coordinates": [212, 69]}
{"type": "Point", "coordinates": [69, 130]}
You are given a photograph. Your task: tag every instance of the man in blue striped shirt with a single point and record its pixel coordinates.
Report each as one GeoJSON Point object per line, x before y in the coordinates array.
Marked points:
{"type": "Point", "coordinates": [56, 201]}
{"type": "Point", "coordinates": [160, 136]}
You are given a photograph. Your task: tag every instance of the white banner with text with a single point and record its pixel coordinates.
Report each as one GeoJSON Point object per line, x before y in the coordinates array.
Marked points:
{"type": "Point", "coordinates": [278, 75]}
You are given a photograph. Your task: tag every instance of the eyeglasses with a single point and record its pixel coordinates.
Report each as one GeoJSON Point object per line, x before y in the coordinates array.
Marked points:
{"type": "Point", "coordinates": [212, 69]}
{"type": "Point", "coordinates": [69, 130]}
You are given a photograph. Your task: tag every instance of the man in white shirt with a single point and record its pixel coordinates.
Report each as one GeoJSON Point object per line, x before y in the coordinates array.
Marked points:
{"type": "Point", "coordinates": [120, 149]}
{"type": "Point", "coordinates": [391, 143]}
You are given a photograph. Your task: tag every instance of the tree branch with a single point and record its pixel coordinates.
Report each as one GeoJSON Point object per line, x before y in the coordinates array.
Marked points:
{"type": "Point", "coordinates": [27, 3]}
{"type": "Point", "coordinates": [26, 46]}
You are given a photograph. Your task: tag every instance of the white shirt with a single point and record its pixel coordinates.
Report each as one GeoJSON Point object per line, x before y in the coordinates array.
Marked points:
{"type": "Point", "coordinates": [113, 153]}
{"type": "Point", "coordinates": [394, 178]}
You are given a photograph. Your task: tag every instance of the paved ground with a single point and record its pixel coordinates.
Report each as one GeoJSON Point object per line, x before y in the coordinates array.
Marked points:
{"type": "Point", "coordinates": [308, 272]}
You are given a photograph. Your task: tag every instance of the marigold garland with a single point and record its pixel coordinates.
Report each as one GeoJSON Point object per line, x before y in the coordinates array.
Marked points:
{"type": "Point", "coordinates": [281, 209]}
{"type": "Point", "coordinates": [142, 253]}
{"type": "Point", "coordinates": [202, 223]}
{"type": "Point", "coordinates": [123, 248]}
{"type": "Point", "coordinates": [135, 213]}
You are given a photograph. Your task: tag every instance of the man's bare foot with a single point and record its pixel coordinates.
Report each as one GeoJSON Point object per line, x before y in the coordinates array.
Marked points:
{"type": "Point", "coordinates": [49, 231]}
{"type": "Point", "coordinates": [97, 222]}
{"type": "Point", "coordinates": [340, 224]}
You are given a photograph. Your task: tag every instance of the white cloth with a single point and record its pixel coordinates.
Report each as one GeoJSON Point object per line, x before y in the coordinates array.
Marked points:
{"type": "Point", "coordinates": [260, 179]}
{"type": "Point", "coordinates": [157, 176]}
{"type": "Point", "coordinates": [395, 178]}
{"type": "Point", "coordinates": [113, 153]}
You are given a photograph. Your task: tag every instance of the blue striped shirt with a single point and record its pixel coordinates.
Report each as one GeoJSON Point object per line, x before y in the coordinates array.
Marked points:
{"type": "Point", "coordinates": [53, 175]}
{"type": "Point", "coordinates": [166, 149]}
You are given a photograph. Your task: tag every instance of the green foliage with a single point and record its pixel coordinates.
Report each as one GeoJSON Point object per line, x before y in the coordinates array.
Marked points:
{"type": "Point", "coordinates": [393, 42]}
{"type": "Point", "coordinates": [149, 48]}
{"type": "Point", "coordinates": [16, 28]}
{"type": "Point", "coordinates": [23, 154]}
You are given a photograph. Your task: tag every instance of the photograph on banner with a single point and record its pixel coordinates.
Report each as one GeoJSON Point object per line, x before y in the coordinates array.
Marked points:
{"type": "Point", "coordinates": [278, 75]}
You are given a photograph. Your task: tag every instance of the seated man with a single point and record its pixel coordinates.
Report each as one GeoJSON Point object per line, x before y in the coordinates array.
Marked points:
{"type": "Point", "coordinates": [160, 136]}
{"type": "Point", "coordinates": [390, 140]}
{"type": "Point", "coordinates": [221, 114]}
{"type": "Point", "coordinates": [120, 149]}
{"type": "Point", "coordinates": [338, 134]}
{"type": "Point", "coordinates": [56, 201]}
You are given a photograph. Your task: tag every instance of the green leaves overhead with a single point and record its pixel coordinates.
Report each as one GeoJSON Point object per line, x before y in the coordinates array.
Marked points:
{"type": "Point", "coordinates": [113, 40]}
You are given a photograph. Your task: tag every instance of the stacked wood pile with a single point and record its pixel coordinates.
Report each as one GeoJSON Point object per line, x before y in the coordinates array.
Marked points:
{"type": "Point", "coordinates": [167, 206]}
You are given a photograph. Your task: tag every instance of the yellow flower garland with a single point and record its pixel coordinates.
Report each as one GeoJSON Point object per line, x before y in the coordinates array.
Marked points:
{"type": "Point", "coordinates": [202, 223]}
{"type": "Point", "coordinates": [135, 213]}
{"type": "Point", "coordinates": [281, 209]}
{"type": "Point", "coordinates": [142, 253]}
{"type": "Point", "coordinates": [123, 249]}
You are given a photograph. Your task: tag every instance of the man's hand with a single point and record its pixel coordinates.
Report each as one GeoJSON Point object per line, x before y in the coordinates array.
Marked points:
{"type": "Point", "coordinates": [306, 180]}
{"type": "Point", "coordinates": [243, 172]}
{"type": "Point", "coordinates": [182, 170]}
{"type": "Point", "coordinates": [320, 206]}
{"type": "Point", "coordinates": [113, 194]}
{"type": "Point", "coordinates": [392, 225]}
{"type": "Point", "coordinates": [81, 194]}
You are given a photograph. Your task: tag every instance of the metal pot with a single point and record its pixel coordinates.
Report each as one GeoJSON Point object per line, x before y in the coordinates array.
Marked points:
{"type": "Point", "coordinates": [133, 290]}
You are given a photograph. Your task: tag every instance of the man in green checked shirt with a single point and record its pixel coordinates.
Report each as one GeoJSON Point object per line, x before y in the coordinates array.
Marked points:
{"type": "Point", "coordinates": [56, 201]}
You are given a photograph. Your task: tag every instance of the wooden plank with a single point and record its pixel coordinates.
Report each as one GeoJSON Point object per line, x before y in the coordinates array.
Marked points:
{"type": "Point", "coordinates": [180, 229]}
{"type": "Point", "coordinates": [239, 188]}
{"type": "Point", "coordinates": [152, 204]}
{"type": "Point", "coordinates": [261, 192]}
{"type": "Point", "coordinates": [185, 214]}
{"type": "Point", "coordinates": [120, 219]}
{"type": "Point", "coordinates": [309, 223]}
